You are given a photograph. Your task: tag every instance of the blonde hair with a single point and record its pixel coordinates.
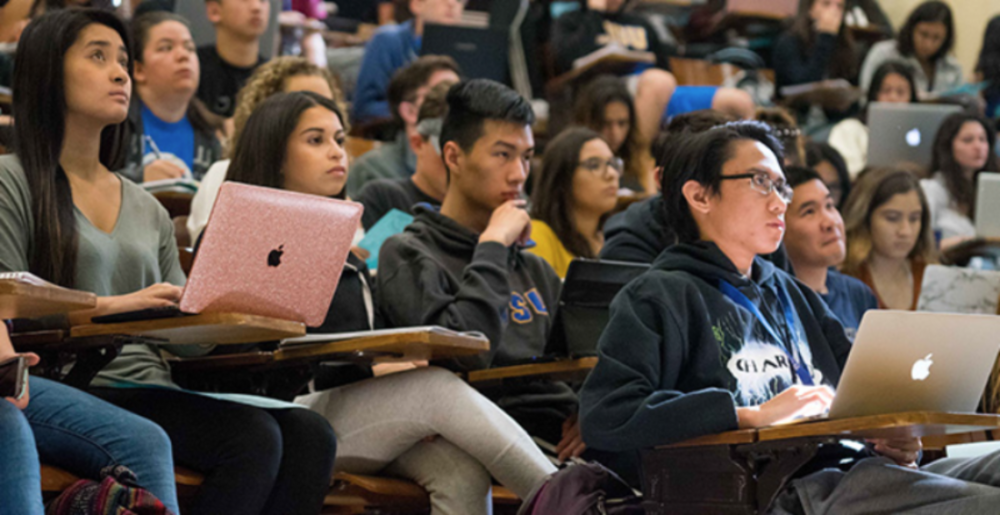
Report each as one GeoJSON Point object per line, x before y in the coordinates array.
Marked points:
{"type": "Point", "coordinates": [873, 189]}
{"type": "Point", "coordinates": [270, 79]}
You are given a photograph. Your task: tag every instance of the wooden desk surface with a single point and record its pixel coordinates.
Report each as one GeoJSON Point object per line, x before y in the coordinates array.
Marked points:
{"type": "Point", "coordinates": [612, 64]}
{"type": "Point", "coordinates": [562, 370]}
{"type": "Point", "coordinates": [407, 346]}
{"type": "Point", "coordinates": [897, 425]}
{"type": "Point", "coordinates": [208, 328]}
{"type": "Point", "coordinates": [19, 299]}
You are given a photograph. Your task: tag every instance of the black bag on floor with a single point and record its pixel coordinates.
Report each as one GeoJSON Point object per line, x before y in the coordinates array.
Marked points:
{"type": "Point", "coordinates": [583, 489]}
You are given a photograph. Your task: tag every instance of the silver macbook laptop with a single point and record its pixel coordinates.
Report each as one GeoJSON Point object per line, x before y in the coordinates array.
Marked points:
{"type": "Point", "coordinates": [904, 132]}
{"type": "Point", "coordinates": [988, 206]}
{"type": "Point", "coordinates": [911, 361]}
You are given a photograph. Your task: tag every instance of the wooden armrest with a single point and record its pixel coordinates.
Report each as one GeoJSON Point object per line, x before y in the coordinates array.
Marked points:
{"type": "Point", "coordinates": [738, 437]}
{"type": "Point", "coordinates": [570, 369]}
{"type": "Point", "coordinates": [19, 299]}
{"type": "Point", "coordinates": [895, 425]}
{"type": "Point", "coordinates": [208, 328]}
{"type": "Point", "coordinates": [55, 479]}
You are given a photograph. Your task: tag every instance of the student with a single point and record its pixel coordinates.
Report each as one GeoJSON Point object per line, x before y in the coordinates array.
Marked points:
{"type": "Point", "coordinates": [988, 68]}
{"type": "Point", "coordinates": [814, 240]}
{"type": "Point", "coordinates": [641, 232]}
{"type": "Point", "coordinates": [228, 63]}
{"type": "Point", "coordinates": [281, 74]}
{"type": "Point", "coordinates": [430, 180]}
{"type": "Point", "coordinates": [574, 192]}
{"type": "Point", "coordinates": [605, 105]}
{"type": "Point", "coordinates": [963, 148]}
{"type": "Point", "coordinates": [700, 344]}
{"type": "Point", "coordinates": [599, 23]}
{"type": "Point", "coordinates": [170, 136]}
{"type": "Point", "coordinates": [69, 220]}
{"type": "Point", "coordinates": [407, 90]}
{"type": "Point", "coordinates": [892, 83]}
{"type": "Point", "coordinates": [391, 48]}
{"type": "Point", "coordinates": [70, 429]}
{"type": "Point", "coordinates": [463, 265]}
{"type": "Point", "coordinates": [889, 238]}
{"type": "Point", "coordinates": [924, 42]}
{"type": "Point", "coordinates": [830, 166]}
{"type": "Point", "coordinates": [291, 142]}
{"type": "Point", "coordinates": [786, 129]}
{"type": "Point", "coordinates": [817, 47]}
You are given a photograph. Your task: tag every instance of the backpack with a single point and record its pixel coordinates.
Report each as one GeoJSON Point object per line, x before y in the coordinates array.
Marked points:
{"type": "Point", "coordinates": [116, 494]}
{"type": "Point", "coordinates": [583, 489]}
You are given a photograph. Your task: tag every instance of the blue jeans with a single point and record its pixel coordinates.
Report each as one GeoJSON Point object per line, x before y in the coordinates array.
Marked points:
{"type": "Point", "coordinates": [82, 434]}
{"type": "Point", "coordinates": [19, 476]}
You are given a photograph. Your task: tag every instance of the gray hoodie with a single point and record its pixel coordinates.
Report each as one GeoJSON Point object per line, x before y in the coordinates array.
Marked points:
{"type": "Point", "coordinates": [437, 273]}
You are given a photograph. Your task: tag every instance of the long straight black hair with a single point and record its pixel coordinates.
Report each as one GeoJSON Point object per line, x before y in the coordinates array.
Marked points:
{"type": "Point", "coordinates": [263, 146]}
{"type": "Point", "coordinates": [39, 90]}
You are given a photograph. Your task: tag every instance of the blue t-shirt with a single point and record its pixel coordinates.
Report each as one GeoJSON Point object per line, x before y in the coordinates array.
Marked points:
{"type": "Point", "coordinates": [848, 299]}
{"type": "Point", "coordinates": [170, 138]}
{"type": "Point", "coordinates": [391, 48]}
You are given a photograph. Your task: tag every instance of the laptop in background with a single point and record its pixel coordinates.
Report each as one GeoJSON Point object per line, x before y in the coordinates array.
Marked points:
{"type": "Point", "coordinates": [952, 289]}
{"type": "Point", "coordinates": [904, 132]}
{"type": "Point", "coordinates": [988, 205]}
{"type": "Point", "coordinates": [584, 303]}
{"type": "Point", "coordinates": [481, 53]}
{"type": "Point", "coordinates": [266, 252]}
{"type": "Point", "coordinates": [917, 361]}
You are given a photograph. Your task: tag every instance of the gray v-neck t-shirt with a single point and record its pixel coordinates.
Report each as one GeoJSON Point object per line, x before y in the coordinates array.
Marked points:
{"type": "Point", "coordinates": [140, 252]}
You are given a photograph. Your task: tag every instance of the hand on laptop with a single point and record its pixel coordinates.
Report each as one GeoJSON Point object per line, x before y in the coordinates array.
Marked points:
{"type": "Point", "coordinates": [156, 296]}
{"type": "Point", "coordinates": [905, 451]}
{"type": "Point", "coordinates": [796, 401]}
{"type": "Point", "coordinates": [509, 224]}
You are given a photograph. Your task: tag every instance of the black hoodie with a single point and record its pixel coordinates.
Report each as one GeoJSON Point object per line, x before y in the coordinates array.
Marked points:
{"type": "Point", "coordinates": [638, 234]}
{"type": "Point", "coordinates": [437, 273]}
{"type": "Point", "coordinates": [678, 356]}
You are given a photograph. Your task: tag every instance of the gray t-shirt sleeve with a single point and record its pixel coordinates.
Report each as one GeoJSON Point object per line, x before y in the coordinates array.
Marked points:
{"type": "Point", "coordinates": [15, 216]}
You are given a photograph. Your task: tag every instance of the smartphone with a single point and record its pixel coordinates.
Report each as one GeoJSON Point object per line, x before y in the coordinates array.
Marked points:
{"type": "Point", "coordinates": [14, 377]}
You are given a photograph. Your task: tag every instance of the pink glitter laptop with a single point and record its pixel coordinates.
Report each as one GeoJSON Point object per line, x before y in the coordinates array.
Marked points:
{"type": "Point", "coordinates": [272, 253]}
{"type": "Point", "coordinates": [265, 252]}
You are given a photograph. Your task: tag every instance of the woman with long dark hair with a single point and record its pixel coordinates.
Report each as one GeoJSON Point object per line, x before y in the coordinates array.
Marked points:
{"type": "Point", "coordinates": [893, 83]}
{"type": "Point", "coordinates": [606, 107]}
{"type": "Point", "coordinates": [69, 219]}
{"type": "Point", "coordinates": [818, 46]}
{"type": "Point", "coordinates": [988, 67]}
{"type": "Point", "coordinates": [574, 193]}
{"type": "Point", "coordinates": [963, 148]}
{"type": "Point", "coordinates": [924, 42]}
{"type": "Point", "coordinates": [294, 141]}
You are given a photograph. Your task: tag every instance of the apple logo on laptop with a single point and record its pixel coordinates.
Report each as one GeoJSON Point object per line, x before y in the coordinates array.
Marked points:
{"type": "Point", "coordinates": [913, 137]}
{"type": "Point", "coordinates": [922, 368]}
{"type": "Point", "coordinates": [274, 257]}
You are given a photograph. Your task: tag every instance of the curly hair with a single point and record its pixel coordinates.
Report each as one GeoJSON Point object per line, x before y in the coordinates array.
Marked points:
{"type": "Point", "coordinates": [270, 79]}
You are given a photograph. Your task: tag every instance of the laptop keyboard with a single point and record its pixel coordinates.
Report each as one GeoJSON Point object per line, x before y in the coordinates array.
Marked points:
{"type": "Point", "coordinates": [141, 314]}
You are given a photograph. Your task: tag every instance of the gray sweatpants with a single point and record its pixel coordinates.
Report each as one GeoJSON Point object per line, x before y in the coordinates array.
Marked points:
{"type": "Point", "coordinates": [951, 486]}
{"type": "Point", "coordinates": [383, 423]}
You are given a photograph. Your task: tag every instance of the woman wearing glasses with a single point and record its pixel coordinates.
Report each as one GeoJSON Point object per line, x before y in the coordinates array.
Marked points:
{"type": "Point", "coordinates": [573, 196]}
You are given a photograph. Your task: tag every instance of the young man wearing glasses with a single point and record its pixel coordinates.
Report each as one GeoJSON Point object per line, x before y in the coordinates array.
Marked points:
{"type": "Point", "coordinates": [714, 339]}
{"type": "Point", "coordinates": [462, 267]}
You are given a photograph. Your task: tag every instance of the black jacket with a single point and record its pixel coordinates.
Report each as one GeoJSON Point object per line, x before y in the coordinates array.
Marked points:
{"type": "Point", "coordinates": [207, 149]}
{"type": "Point", "coordinates": [678, 356]}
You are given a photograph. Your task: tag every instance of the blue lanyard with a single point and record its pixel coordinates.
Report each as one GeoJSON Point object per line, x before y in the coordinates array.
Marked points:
{"type": "Point", "coordinates": [791, 349]}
